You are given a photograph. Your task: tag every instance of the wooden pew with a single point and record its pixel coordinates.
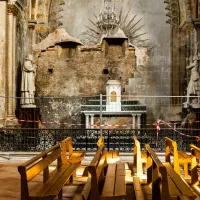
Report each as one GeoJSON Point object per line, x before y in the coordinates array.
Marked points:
{"type": "Point", "coordinates": [140, 157]}
{"type": "Point", "coordinates": [111, 156]}
{"type": "Point", "coordinates": [101, 186]}
{"type": "Point", "coordinates": [183, 197]}
{"type": "Point", "coordinates": [112, 185]}
{"type": "Point", "coordinates": [172, 185]}
{"type": "Point", "coordinates": [100, 141]}
{"type": "Point", "coordinates": [68, 155]}
{"type": "Point", "coordinates": [195, 164]}
{"type": "Point", "coordinates": [52, 182]}
{"type": "Point", "coordinates": [87, 187]}
{"type": "Point", "coordinates": [180, 157]}
{"type": "Point", "coordinates": [139, 195]}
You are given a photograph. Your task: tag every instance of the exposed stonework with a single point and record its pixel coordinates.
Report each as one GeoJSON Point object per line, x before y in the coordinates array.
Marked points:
{"type": "Point", "coordinates": [61, 110]}
{"type": "Point", "coordinates": [71, 70]}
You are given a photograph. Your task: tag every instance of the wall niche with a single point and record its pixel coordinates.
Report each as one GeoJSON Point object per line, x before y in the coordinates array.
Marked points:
{"type": "Point", "coordinates": [69, 49]}
{"type": "Point", "coordinates": [115, 47]}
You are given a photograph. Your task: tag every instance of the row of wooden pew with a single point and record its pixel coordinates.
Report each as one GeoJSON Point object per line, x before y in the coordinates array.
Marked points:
{"type": "Point", "coordinates": [104, 180]}
{"type": "Point", "coordinates": [107, 180]}
{"type": "Point", "coordinates": [165, 175]}
{"type": "Point", "coordinates": [53, 181]}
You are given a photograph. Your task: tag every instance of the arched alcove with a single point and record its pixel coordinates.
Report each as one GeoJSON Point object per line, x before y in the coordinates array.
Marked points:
{"type": "Point", "coordinates": [113, 96]}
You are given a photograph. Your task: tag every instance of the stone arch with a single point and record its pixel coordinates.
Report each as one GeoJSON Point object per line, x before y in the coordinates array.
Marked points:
{"type": "Point", "coordinates": [42, 13]}
{"type": "Point", "coordinates": [173, 8]}
{"type": "Point", "coordinates": [53, 14]}
{"type": "Point", "coordinates": [38, 10]}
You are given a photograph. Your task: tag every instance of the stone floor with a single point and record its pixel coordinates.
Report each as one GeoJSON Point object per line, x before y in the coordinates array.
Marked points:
{"type": "Point", "coordinates": [10, 179]}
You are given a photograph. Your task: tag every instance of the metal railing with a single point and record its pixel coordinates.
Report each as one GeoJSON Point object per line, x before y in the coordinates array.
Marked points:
{"type": "Point", "coordinates": [37, 140]}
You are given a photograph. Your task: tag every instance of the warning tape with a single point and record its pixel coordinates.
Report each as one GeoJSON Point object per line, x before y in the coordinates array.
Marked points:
{"type": "Point", "coordinates": [174, 129]}
{"type": "Point", "coordinates": [157, 124]}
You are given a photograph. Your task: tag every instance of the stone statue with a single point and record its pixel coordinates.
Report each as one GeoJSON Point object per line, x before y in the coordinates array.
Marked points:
{"type": "Point", "coordinates": [194, 83]}
{"type": "Point", "coordinates": [28, 83]}
{"type": "Point", "coordinates": [191, 118]}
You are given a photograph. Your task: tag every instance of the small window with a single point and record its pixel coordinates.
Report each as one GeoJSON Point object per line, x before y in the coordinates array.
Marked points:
{"type": "Point", "coordinates": [105, 71]}
{"type": "Point", "coordinates": [50, 71]}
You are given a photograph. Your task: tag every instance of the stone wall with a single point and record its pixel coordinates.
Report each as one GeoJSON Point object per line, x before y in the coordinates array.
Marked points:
{"type": "Point", "coordinates": [81, 71]}
{"type": "Point", "coordinates": [61, 110]}
{"type": "Point", "coordinates": [3, 12]}
{"type": "Point", "coordinates": [69, 71]}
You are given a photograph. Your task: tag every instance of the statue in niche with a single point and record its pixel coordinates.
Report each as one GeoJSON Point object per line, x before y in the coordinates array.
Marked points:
{"type": "Point", "coordinates": [194, 83]}
{"type": "Point", "coordinates": [28, 83]}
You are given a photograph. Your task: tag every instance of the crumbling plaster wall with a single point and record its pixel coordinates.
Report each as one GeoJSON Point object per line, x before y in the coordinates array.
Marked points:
{"type": "Point", "coordinates": [68, 72]}
{"type": "Point", "coordinates": [82, 74]}
{"type": "Point", "coordinates": [153, 56]}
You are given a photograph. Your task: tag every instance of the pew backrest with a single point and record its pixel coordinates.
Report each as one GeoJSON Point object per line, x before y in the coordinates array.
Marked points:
{"type": "Point", "coordinates": [68, 154]}
{"type": "Point", "coordinates": [67, 149]}
{"type": "Point", "coordinates": [137, 155]}
{"type": "Point", "coordinates": [40, 163]}
{"type": "Point", "coordinates": [195, 151]}
{"type": "Point", "coordinates": [172, 184]}
{"type": "Point", "coordinates": [136, 147]}
{"type": "Point", "coordinates": [154, 167]}
{"type": "Point", "coordinates": [171, 149]}
{"type": "Point", "coordinates": [96, 169]}
{"type": "Point", "coordinates": [100, 141]}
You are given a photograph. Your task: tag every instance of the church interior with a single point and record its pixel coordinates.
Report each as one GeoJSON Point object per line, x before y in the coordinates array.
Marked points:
{"type": "Point", "coordinates": [96, 96]}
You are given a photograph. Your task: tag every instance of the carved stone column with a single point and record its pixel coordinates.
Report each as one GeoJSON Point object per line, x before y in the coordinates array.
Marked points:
{"type": "Point", "coordinates": [139, 122]}
{"type": "Point", "coordinates": [86, 121]}
{"type": "Point", "coordinates": [92, 121]}
{"type": "Point", "coordinates": [31, 27]}
{"type": "Point", "coordinates": [10, 80]}
{"type": "Point", "coordinates": [14, 61]}
{"type": "Point", "coordinates": [197, 27]}
{"type": "Point", "coordinates": [134, 117]}
{"type": "Point", "coordinates": [3, 70]}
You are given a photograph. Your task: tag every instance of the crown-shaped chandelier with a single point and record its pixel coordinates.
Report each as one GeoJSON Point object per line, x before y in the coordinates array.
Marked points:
{"type": "Point", "coordinates": [108, 21]}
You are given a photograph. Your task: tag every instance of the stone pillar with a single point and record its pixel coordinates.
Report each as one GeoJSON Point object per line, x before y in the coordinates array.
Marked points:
{"type": "Point", "coordinates": [9, 80]}
{"type": "Point", "coordinates": [92, 121]}
{"type": "Point", "coordinates": [31, 27]}
{"type": "Point", "coordinates": [30, 9]}
{"type": "Point", "coordinates": [3, 70]}
{"type": "Point", "coordinates": [14, 63]}
{"type": "Point", "coordinates": [138, 121]}
{"type": "Point", "coordinates": [197, 27]}
{"type": "Point", "coordinates": [86, 121]}
{"type": "Point", "coordinates": [134, 120]}
{"type": "Point", "coordinates": [175, 63]}
{"type": "Point", "coordinates": [11, 22]}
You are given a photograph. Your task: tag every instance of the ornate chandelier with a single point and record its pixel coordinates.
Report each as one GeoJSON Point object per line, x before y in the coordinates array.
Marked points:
{"type": "Point", "coordinates": [108, 21]}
